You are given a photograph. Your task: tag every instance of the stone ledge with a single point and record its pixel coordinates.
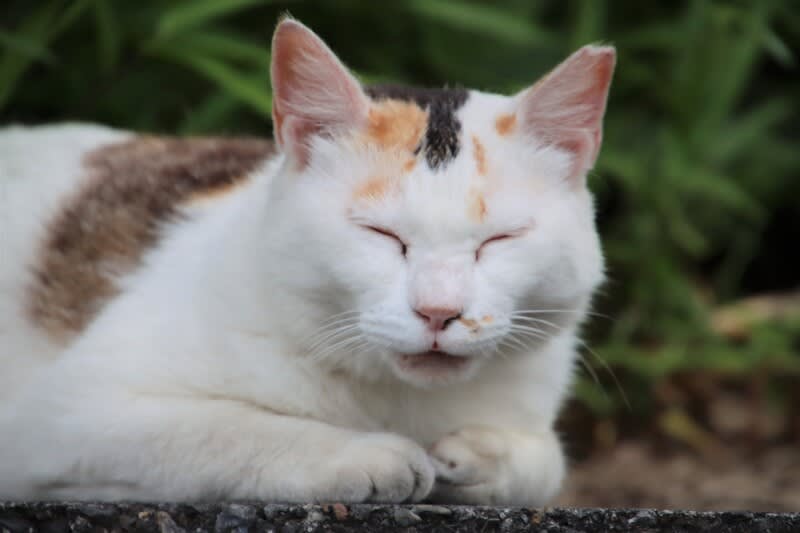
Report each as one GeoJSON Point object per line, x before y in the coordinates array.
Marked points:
{"type": "Point", "coordinates": [246, 517]}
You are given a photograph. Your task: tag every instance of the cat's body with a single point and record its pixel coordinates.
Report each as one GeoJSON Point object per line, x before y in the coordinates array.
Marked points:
{"type": "Point", "coordinates": [204, 319]}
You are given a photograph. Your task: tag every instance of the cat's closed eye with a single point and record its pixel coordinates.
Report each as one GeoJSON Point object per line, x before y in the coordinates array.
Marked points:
{"type": "Point", "coordinates": [495, 238]}
{"type": "Point", "coordinates": [389, 234]}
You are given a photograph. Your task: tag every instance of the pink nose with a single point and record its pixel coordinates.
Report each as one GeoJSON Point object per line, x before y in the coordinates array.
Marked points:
{"type": "Point", "coordinates": [438, 318]}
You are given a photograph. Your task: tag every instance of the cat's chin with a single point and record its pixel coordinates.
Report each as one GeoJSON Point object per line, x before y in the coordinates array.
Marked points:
{"type": "Point", "coordinates": [433, 367]}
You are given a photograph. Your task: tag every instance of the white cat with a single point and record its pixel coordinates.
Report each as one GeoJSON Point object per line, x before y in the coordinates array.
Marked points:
{"type": "Point", "coordinates": [385, 309]}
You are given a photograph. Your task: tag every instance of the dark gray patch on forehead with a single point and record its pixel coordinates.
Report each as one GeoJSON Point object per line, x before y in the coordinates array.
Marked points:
{"type": "Point", "coordinates": [442, 138]}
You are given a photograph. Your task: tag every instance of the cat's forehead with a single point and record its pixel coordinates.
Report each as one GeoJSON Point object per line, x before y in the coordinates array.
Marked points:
{"type": "Point", "coordinates": [441, 142]}
{"type": "Point", "coordinates": [458, 169]}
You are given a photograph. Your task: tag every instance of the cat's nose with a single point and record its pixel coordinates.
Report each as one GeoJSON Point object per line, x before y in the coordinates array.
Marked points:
{"type": "Point", "coordinates": [438, 318]}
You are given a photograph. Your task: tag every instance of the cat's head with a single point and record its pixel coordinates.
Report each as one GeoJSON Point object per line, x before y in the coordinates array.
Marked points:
{"type": "Point", "coordinates": [434, 230]}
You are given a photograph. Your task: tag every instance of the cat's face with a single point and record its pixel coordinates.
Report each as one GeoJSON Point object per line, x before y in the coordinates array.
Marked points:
{"type": "Point", "coordinates": [442, 228]}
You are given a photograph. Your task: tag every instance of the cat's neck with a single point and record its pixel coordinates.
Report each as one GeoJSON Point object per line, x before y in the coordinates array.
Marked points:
{"type": "Point", "coordinates": [234, 264]}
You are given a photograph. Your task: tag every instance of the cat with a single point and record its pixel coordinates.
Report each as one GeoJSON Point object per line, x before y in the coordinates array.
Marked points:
{"type": "Point", "coordinates": [381, 306]}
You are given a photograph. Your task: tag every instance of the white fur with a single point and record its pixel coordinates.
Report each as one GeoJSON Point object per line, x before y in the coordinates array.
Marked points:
{"type": "Point", "coordinates": [211, 377]}
{"type": "Point", "coordinates": [38, 169]}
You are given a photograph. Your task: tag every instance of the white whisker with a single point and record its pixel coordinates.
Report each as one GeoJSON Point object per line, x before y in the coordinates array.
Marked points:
{"type": "Point", "coordinates": [332, 336]}
{"type": "Point", "coordinates": [611, 372]}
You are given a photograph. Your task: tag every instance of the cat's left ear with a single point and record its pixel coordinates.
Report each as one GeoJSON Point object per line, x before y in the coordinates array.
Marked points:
{"type": "Point", "coordinates": [566, 107]}
{"type": "Point", "coordinates": [313, 92]}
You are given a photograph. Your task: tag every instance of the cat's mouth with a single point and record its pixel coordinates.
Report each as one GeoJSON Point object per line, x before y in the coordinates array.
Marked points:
{"type": "Point", "coordinates": [432, 360]}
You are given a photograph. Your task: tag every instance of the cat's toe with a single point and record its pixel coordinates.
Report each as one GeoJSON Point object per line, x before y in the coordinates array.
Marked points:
{"type": "Point", "coordinates": [385, 468]}
{"type": "Point", "coordinates": [470, 466]}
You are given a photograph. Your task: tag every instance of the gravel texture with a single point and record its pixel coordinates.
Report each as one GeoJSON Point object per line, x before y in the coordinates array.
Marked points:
{"type": "Point", "coordinates": [250, 517]}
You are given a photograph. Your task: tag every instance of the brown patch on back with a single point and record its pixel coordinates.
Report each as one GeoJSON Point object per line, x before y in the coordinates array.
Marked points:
{"type": "Point", "coordinates": [477, 206]}
{"type": "Point", "coordinates": [397, 124]}
{"type": "Point", "coordinates": [206, 196]}
{"type": "Point", "coordinates": [505, 124]}
{"type": "Point", "coordinates": [409, 165]}
{"type": "Point", "coordinates": [131, 190]}
{"type": "Point", "coordinates": [479, 151]}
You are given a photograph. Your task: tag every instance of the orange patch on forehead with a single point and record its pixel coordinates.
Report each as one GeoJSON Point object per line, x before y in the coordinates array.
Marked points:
{"type": "Point", "coordinates": [409, 165]}
{"type": "Point", "coordinates": [477, 206]}
{"type": "Point", "coordinates": [505, 124]}
{"type": "Point", "coordinates": [373, 189]}
{"type": "Point", "coordinates": [479, 151]}
{"type": "Point", "coordinates": [396, 124]}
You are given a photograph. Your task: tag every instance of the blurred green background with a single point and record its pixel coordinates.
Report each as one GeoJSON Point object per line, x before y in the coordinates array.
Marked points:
{"type": "Point", "coordinates": [698, 184]}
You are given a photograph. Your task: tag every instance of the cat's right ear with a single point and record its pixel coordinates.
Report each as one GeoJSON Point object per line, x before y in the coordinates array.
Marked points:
{"type": "Point", "coordinates": [313, 92]}
{"type": "Point", "coordinates": [566, 107]}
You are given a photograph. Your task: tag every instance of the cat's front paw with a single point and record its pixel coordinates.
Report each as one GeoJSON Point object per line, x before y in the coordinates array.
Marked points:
{"type": "Point", "coordinates": [472, 466]}
{"type": "Point", "coordinates": [383, 467]}
{"type": "Point", "coordinates": [487, 465]}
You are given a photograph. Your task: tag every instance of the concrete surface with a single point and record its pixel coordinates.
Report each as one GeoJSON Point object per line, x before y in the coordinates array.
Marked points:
{"type": "Point", "coordinates": [250, 517]}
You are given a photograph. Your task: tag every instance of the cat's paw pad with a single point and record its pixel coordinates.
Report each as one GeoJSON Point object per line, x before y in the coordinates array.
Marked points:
{"type": "Point", "coordinates": [384, 468]}
{"type": "Point", "coordinates": [471, 466]}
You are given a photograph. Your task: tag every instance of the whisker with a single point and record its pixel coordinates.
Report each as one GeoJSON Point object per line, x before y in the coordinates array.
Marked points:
{"type": "Point", "coordinates": [332, 336]}
{"type": "Point", "coordinates": [611, 372]}
{"type": "Point", "coordinates": [334, 323]}
{"type": "Point", "coordinates": [513, 341]}
{"type": "Point", "coordinates": [339, 315]}
{"type": "Point", "coordinates": [528, 330]}
{"type": "Point", "coordinates": [592, 372]}
{"type": "Point", "coordinates": [334, 320]}
{"type": "Point", "coordinates": [333, 348]}
{"type": "Point", "coordinates": [573, 311]}
{"type": "Point", "coordinates": [537, 321]}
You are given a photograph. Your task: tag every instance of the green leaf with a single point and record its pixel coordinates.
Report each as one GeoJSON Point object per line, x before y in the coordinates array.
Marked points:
{"type": "Point", "coordinates": [39, 29]}
{"type": "Point", "coordinates": [214, 43]}
{"type": "Point", "coordinates": [191, 14]}
{"type": "Point", "coordinates": [251, 90]}
{"type": "Point", "coordinates": [480, 18]}
{"type": "Point", "coordinates": [36, 31]}
{"type": "Point", "coordinates": [19, 44]}
{"type": "Point", "coordinates": [108, 34]}
{"type": "Point", "coordinates": [733, 69]}
{"type": "Point", "coordinates": [589, 22]}
{"type": "Point", "coordinates": [659, 35]}
{"type": "Point", "coordinates": [722, 190]}
{"type": "Point", "coordinates": [70, 16]}
{"type": "Point", "coordinates": [777, 48]}
{"type": "Point", "coordinates": [741, 134]}
{"type": "Point", "coordinates": [211, 115]}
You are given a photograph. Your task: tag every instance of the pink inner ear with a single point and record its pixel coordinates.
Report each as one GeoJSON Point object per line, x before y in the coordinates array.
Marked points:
{"type": "Point", "coordinates": [566, 107]}
{"type": "Point", "coordinates": [313, 93]}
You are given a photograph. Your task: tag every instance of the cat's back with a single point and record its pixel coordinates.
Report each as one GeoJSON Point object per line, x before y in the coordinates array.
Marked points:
{"type": "Point", "coordinates": [39, 167]}
{"type": "Point", "coordinates": [79, 206]}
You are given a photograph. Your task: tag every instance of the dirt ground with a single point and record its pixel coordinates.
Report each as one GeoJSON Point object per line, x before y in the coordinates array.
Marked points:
{"type": "Point", "coordinates": [633, 474]}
